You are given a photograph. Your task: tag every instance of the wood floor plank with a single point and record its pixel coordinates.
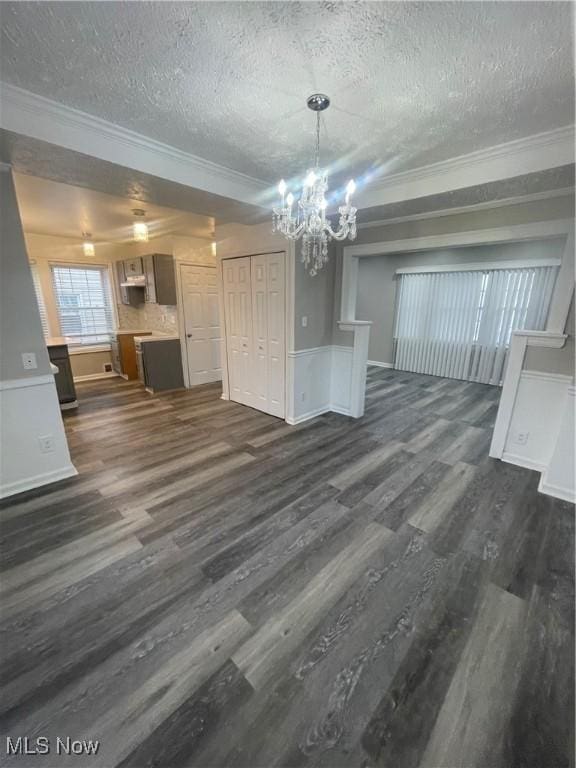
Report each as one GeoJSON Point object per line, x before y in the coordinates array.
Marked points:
{"type": "Point", "coordinates": [218, 588]}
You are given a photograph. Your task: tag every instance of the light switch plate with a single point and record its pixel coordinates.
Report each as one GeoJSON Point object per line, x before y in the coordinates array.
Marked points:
{"type": "Point", "coordinates": [46, 443]}
{"type": "Point", "coordinates": [304, 321]}
{"type": "Point", "coordinates": [29, 361]}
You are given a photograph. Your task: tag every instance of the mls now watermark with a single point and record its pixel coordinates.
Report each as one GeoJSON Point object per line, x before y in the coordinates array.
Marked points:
{"type": "Point", "coordinates": [42, 745]}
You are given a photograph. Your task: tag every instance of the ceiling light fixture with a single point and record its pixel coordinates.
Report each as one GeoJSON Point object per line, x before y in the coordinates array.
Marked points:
{"type": "Point", "coordinates": [87, 245]}
{"type": "Point", "coordinates": [139, 228]}
{"type": "Point", "coordinates": [309, 221]}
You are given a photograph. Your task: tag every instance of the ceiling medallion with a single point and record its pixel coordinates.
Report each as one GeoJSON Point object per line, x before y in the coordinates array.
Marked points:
{"type": "Point", "coordinates": [309, 221]}
{"type": "Point", "coordinates": [139, 228]}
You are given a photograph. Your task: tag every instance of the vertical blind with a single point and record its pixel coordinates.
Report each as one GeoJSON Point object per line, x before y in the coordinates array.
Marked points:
{"type": "Point", "coordinates": [40, 301]}
{"type": "Point", "coordinates": [459, 324]}
{"type": "Point", "coordinates": [84, 304]}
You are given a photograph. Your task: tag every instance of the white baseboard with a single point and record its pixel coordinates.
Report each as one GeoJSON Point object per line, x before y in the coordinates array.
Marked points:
{"type": "Point", "coordinates": [224, 396]}
{"type": "Point", "coordinates": [307, 416]}
{"type": "Point", "coordinates": [378, 364]}
{"type": "Point", "coordinates": [96, 376]}
{"type": "Point", "coordinates": [566, 494]}
{"type": "Point", "coordinates": [340, 410]}
{"type": "Point", "coordinates": [34, 482]}
{"type": "Point", "coordinates": [522, 461]}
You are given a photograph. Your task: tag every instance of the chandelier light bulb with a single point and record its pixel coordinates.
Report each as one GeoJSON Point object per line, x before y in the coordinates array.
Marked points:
{"type": "Point", "coordinates": [310, 179]}
{"type": "Point", "coordinates": [309, 221]}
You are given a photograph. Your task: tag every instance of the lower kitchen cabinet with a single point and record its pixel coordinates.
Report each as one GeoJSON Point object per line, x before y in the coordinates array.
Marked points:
{"type": "Point", "coordinates": [60, 357]}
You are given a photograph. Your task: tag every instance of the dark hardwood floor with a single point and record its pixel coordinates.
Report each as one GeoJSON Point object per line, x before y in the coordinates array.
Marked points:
{"type": "Point", "coordinates": [217, 588]}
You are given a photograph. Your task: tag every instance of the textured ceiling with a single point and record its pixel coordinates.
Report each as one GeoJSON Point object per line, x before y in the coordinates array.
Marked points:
{"type": "Point", "coordinates": [411, 83]}
{"type": "Point", "coordinates": [38, 158]}
{"type": "Point", "coordinates": [50, 208]}
{"type": "Point", "coordinates": [561, 178]}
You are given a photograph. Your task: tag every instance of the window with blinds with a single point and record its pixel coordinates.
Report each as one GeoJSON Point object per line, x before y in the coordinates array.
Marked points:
{"type": "Point", "coordinates": [84, 303]}
{"type": "Point", "coordinates": [40, 301]}
{"type": "Point", "coordinates": [458, 324]}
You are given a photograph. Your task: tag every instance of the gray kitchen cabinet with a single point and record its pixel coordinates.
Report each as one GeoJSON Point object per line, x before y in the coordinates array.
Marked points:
{"type": "Point", "coordinates": [161, 363]}
{"type": "Point", "coordinates": [160, 278]}
{"type": "Point", "coordinates": [132, 297]}
{"type": "Point", "coordinates": [64, 379]}
{"type": "Point", "coordinates": [134, 267]}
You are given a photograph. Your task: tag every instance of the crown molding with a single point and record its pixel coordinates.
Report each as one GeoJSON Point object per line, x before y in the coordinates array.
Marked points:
{"type": "Point", "coordinates": [485, 205]}
{"type": "Point", "coordinates": [514, 158]}
{"type": "Point", "coordinates": [39, 118]}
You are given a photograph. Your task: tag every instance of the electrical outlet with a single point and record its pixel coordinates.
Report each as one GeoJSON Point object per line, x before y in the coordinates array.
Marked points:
{"type": "Point", "coordinates": [521, 438]}
{"type": "Point", "coordinates": [46, 443]}
{"type": "Point", "coordinates": [29, 361]}
{"type": "Point", "coordinates": [303, 397]}
{"type": "Point", "coordinates": [304, 321]}
{"type": "Point", "coordinates": [107, 367]}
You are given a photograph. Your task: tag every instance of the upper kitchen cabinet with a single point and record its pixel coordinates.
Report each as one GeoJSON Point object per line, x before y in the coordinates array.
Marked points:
{"type": "Point", "coordinates": [130, 296]}
{"type": "Point", "coordinates": [133, 267]}
{"type": "Point", "coordinates": [160, 278]}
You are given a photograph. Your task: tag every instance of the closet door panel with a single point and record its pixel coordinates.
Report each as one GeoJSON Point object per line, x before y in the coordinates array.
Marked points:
{"type": "Point", "coordinates": [238, 309]}
{"type": "Point", "coordinates": [276, 333]}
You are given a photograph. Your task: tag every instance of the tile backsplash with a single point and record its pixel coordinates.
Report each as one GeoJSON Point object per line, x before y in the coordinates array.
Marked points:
{"type": "Point", "coordinates": [149, 317]}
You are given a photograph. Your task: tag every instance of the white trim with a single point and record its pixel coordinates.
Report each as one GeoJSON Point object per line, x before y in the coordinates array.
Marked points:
{"type": "Point", "coordinates": [472, 208]}
{"type": "Point", "coordinates": [531, 154]}
{"type": "Point", "coordinates": [86, 349]}
{"type": "Point", "coordinates": [481, 267]}
{"type": "Point", "coordinates": [540, 230]}
{"type": "Point", "coordinates": [378, 364]}
{"type": "Point", "coordinates": [522, 461]}
{"type": "Point", "coordinates": [308, 415]}
{"type": "Point", "coordinates": [518, 344]}
{"type": "Point", "coordinates": [96, 376]}
{"type": "Point", "coordinates": [558, 491]}
{"type": "Point", "coordinates": [309, 352]}
{"type": "Point", "coordinates": [560, 378]}
{"type": "Point", "coordinates": [38, 480]}
{"type": "Point", "coordinates": [31, 381]}
{"type": "Point", "coordinates": [32, 115]}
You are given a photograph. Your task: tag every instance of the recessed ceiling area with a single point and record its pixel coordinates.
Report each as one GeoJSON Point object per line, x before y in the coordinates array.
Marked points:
{"type": "Point", "coordinates": [411, 83]}
{"type": "Point", "coordinates": [51, 208]}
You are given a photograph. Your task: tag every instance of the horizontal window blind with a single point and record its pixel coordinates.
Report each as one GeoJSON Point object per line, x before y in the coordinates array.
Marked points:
{"type": "Point", "coordinates": [84, 303]}
{"type": "Point", "coordinates": [459, 324]}
{"type": "Point", "coordinates": [40, 301]}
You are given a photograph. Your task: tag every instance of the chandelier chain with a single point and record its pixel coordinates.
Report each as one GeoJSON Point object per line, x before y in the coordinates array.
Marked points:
{"type": "Point", "coordinates": [317, 164]}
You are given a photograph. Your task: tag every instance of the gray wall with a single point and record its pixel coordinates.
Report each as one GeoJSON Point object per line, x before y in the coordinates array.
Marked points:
{"type": "Point", "coordinates": [20, 326]}
{"type": "Point", "coordinates": [314, 299]}
{"type": "Point", "coordinates": [377, 281]}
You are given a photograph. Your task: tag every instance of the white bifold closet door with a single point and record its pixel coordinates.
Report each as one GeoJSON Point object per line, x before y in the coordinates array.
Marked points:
{"type": "Point", "coordinates": [254, 302]}
{"type": "Point", "coordinates": [459, 324]}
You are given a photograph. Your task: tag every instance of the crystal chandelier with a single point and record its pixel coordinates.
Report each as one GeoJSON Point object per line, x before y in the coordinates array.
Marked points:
{"type": "Point", "coordinates": [309, 221]}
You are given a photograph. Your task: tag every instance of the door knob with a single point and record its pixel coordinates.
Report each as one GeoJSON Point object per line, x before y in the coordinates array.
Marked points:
{"type": "Point", "coordinates": [189, 335]}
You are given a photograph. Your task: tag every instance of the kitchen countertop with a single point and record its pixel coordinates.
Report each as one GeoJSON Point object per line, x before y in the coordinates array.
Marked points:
{"type": "Point", "coordinates": [146, 339]}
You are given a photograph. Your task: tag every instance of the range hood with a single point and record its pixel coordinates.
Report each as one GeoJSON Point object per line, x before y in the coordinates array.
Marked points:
{"type": "Point", "coordinates": [138, 281]}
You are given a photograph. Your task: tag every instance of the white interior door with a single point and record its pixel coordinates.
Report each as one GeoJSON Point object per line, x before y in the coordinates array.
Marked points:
{"type": "Point", "coordinates": [201, 323]}
{"type": "Point", "coordinates": [238, 311]}
{"type": "Point", "coordinates": [268, 305]}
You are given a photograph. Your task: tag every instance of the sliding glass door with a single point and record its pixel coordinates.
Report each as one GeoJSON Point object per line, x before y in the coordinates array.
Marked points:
{"type": "Point", "coordinates": [458, 324]}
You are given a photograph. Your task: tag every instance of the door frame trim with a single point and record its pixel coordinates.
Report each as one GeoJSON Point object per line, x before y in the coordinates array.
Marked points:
{"type": "Point", "coordinates": [182, 319]}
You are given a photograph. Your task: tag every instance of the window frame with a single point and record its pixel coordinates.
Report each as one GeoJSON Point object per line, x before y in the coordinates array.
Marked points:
{"type": "Point", "coordinates": [76, 345]}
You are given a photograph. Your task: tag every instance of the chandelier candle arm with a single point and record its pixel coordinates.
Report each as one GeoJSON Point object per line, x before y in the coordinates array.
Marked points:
{"type": "Point", "coordinates": [309, 221]}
